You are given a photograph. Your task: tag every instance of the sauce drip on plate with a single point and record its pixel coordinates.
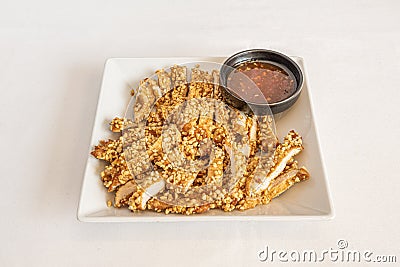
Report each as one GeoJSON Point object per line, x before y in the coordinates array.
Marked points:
{"type": "Point", "coordinates": [257, 82]}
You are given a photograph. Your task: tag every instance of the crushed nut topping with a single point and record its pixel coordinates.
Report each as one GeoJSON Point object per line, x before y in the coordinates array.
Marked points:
{"type": "Point", "coordinates": [177, 155]}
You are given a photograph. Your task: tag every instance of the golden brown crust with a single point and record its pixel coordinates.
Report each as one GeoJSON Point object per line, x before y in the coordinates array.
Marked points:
{"type": "Point", "coordinates": [124, 192]}
{"type": "Point", "coordinates": [108, 150]}
{"type": "Point", "coordinates": [287, 180]}
{"type": "Point", "coordinates": [254, 188]}
{"type": "Point", "coordinates": [283, 154]}
{"type": "Point", "coordinates": [117, 124]}
{"type": "Point", "coordinates": [116, 174]}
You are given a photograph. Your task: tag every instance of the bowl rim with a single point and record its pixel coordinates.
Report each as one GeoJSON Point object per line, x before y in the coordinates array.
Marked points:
{"type": "Point", "coordinates": [291, 97]}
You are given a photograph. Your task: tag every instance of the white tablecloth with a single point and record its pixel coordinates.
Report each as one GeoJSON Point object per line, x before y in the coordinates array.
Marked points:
{"type": "Point", "coordinates": [51, 61]}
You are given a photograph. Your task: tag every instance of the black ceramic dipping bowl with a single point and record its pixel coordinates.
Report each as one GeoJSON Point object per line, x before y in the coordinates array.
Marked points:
{"type": "Point", "coordinates": [260, 55]}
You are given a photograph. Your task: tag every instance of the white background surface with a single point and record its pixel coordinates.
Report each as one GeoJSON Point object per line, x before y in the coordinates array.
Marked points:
{"type": "Point", "coordinates": [51, 63]}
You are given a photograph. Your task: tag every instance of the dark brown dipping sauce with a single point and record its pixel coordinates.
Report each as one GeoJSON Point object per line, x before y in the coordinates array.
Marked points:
{"type": "Point", "coordinates": [268, 81]}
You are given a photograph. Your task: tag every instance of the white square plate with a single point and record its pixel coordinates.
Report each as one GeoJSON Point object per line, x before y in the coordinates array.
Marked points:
{"type": "Point", "coordinates": [306, 200]}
